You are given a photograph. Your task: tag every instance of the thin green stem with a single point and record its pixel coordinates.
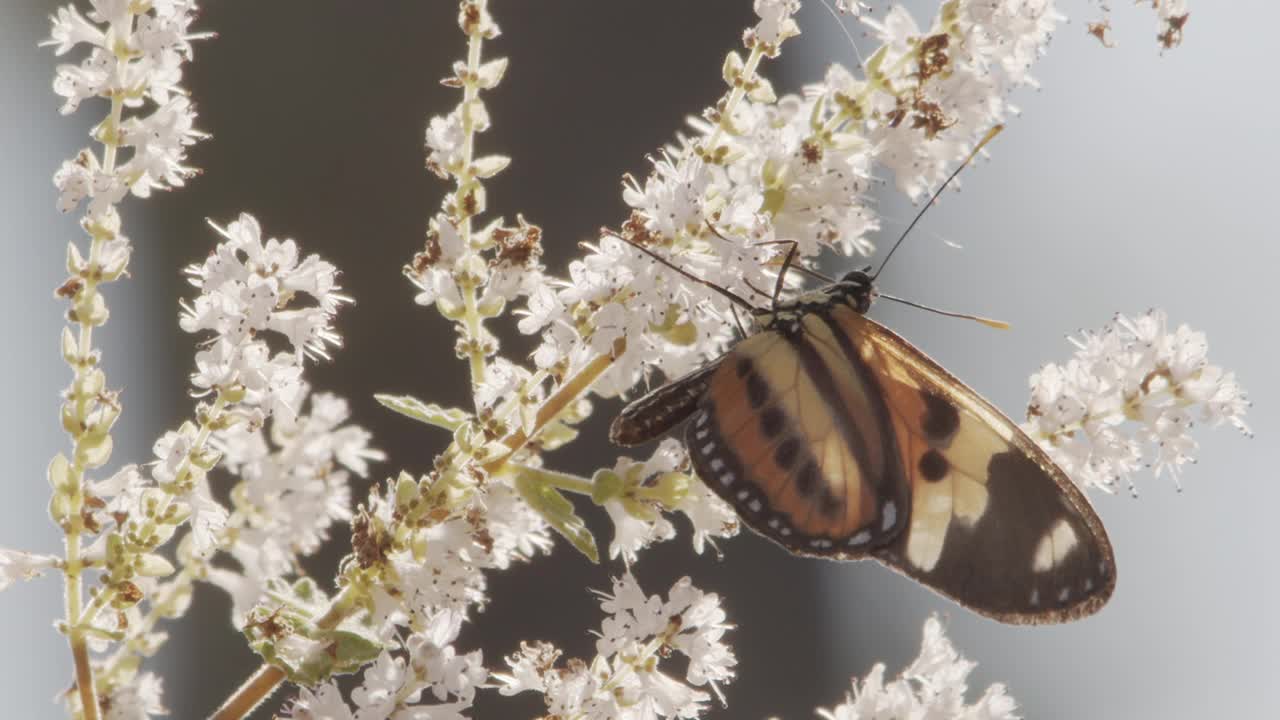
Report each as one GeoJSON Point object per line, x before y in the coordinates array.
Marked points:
{"type": "Point", "coordinates": [465, 180]}
{"type": "Point", "coordinates": [559, 480]}
{"type": "Point", "coordinates": [736, 95]}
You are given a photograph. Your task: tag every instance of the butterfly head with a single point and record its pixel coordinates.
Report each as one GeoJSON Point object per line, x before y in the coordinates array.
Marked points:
{"type": "Point", "coordinates": [856, 288]}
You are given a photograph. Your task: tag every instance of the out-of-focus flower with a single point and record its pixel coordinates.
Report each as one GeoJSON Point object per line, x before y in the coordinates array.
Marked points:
{"type": "Point", "coordinates": [1135, 371]}
{"type": "Point", "coordinates": [934, 685]}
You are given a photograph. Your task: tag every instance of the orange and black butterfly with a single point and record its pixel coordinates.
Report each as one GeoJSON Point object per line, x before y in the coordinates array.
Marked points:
{"type": "Point", "coordinates": [836, 438]}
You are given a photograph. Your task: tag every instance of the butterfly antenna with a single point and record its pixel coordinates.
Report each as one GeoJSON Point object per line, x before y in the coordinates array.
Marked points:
{"type": "Point", "coordinates": [840, 24]}
{"type": "Point", "coordinates": [997, 324]}
{"type": "Point", "coordinates": [977, 148]}
{"type": "Point", "coordinates": [732, 296]}
{"type": "Point", "coordinates": [737, 320]}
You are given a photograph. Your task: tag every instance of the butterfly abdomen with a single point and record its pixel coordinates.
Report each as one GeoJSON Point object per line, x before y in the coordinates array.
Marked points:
{"type": "Point", "coordinates": [656, 413]}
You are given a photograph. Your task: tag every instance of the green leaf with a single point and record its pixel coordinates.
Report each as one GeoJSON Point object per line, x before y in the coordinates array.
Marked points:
{"type": "Point", "coordinates": [448, 418]}
{"type": "Point", "coordinates": [559, 514]}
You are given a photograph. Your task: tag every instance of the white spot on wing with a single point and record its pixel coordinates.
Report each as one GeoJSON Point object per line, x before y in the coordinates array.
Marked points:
{"type": "Point", "coordinates": [890, 515]}
{"type": "Point", "coordinates": [1054, 547]}
{"type": "Point", "coordinates": [717, 464]}
{"type": "Point", "coordinates": [706, 449]}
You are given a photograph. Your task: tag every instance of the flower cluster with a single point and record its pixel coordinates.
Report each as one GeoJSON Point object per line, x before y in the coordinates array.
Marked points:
{"type": "Point", "coordinates": [288, 496]}
{"type": "Point", "coordinates": [762, 174]}
{"type": "Point", "coordinates": [294, 485]}
{"type": "Point", "coordinates": [1135, 370]}
{"type": "Point", "coordinates": [393, 686]}
{"type": "Point", "coordinates": [634, 493]}
{"type": "Point", "coordinates": [934, 685]}
{"type": "Point", "coordinates": [135, 58]}
{"type": "Point", "coordinates": [625, 679]}
{"type": "Point", "coordinates": [247, 289]}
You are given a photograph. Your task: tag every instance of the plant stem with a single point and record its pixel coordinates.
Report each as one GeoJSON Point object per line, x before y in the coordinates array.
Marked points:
{"type": "Point", "coordinates": [465, 179]}
{"type": "Point", "coordinates": [267, 678]}
{"type": "Point", "coordinates": [250, 695]}
{"type": "Point", "coordinates": [568, 392]}
{"type": "Point", "coordinates": [559, 480]}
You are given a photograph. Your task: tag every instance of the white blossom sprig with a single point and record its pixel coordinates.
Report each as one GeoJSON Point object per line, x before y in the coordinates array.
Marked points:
{"type": "Point", "coordinates": [135, 58]}
{"type": "Point", "coordinates": [626, 680]}
{"type": "Point", "coordinates": [934, 685]}
{"type": "Point", "coordinates": [250, 290]}
{"type": "Point", "coordinates": [403, 687]}
{"type": "Point", "coordinates": [1128, 399]}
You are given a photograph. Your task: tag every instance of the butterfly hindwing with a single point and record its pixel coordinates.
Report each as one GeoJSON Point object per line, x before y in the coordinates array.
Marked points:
{"type": "Point", "coordinates": [994, 523]}
{"type": "Point", "coordinates": [774, 437]}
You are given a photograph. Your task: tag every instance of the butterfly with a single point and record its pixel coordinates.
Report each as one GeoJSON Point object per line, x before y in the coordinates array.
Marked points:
{"type": "Point", "coordinates": [834, 437]}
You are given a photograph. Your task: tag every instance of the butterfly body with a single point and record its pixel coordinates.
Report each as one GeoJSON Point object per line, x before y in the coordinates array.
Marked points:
{"type": "Point", "coordinates": [834, 437]}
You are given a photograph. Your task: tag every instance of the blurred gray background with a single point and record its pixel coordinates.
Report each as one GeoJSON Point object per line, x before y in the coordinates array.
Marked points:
{"type": "Point", "coordinates": [1133, 179]}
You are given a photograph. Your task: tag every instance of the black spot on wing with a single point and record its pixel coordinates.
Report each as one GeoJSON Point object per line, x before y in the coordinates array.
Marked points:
{"type": "Point", "coordinates": [933, 466]}
{"type": "Point", "coordinates": [757, 390]}
{"type": "Point", "coordinates": [941, 418]}
{"type": "Point", "coordinates": [807, 479]}
{"type": "Point", "coordinates": [786, 453]}
{"type": "Point", "coordinates": [772, 421]}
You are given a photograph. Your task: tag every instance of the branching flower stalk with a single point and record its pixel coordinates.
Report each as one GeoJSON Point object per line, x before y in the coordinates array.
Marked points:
{"type": "Point", "coordinates": [755, 171]}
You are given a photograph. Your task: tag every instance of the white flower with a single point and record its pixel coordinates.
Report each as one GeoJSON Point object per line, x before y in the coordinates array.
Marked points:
{"type": "Point", "coordinates": [449, 577]}
{"type": "Point", "coordinates": [433, 269]}
{"type": "Point", "coordinates": [633, 616]}
{"type": "Point", "coordinates": [933, 686]}
{"type": "Point", "coordinates": [137, 57]}
{"type": "Point", "coordinates": [517, 532]}
{"type": "Point", "coordinates": [139, 699]}
{"type": "Point", "coordinates": [625, 679]}
{"type": "Point", "coordinates": [248, 287]}
{"type": "Point", "coordinates": [1134, 370]}
{"type": "Point", "coordinates": [701, 632]}
{"type": "Point", "coordinates": [376, 697]}
{"type": "Point", "coordinates": [17, 565]}
{"type": "Point", "coordinates": [294, 485]}
{"type": "Point", "coordinates": [444, 140]}
{"type": "Point", "coordinates": [710, 516]}
{"type": "Point", "coordinates": [325, 703]}
{"type": "Point", "coordinates": [776, 24]}
{"type": "Point", "coordinates": [436, 662]}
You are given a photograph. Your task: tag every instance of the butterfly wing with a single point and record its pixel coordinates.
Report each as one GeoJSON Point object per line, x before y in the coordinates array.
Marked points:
{"type": "Point", "coordinates": [801, 443]}
{"type": "Point", "coordinates": [994, 523]}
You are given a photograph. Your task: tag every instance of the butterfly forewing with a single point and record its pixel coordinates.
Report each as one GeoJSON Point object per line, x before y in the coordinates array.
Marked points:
{"type": "Point", "coordinates": [774, 437]}
{"type": "Point", "coordinates": [994, 524]}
